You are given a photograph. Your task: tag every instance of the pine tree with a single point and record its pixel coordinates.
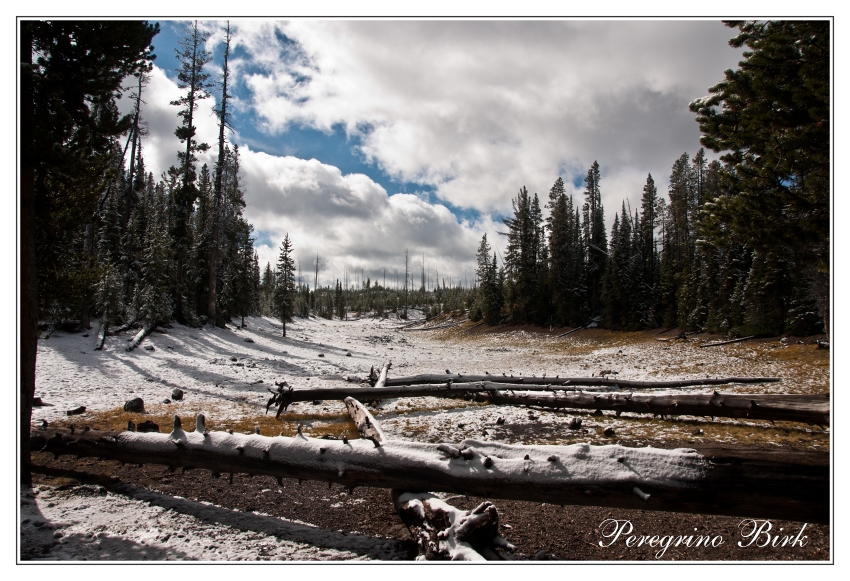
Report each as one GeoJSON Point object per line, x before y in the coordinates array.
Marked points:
{"type": "Point", "coordinates": [284, 294]}
{"type": "Point", "coordinates": [771, 117]}
{"type": "Point", "coordinates": [595, 240]}
{"type": "Point", "coordinates": [191, 78]}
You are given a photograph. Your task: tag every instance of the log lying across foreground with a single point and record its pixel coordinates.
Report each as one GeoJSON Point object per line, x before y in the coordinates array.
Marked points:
{"type": "Point", "coordinates": [781, 484]}
{"type": "Point", "coordinates": [807, 409]}
{"type": "Point", "coordinates": [438, 378]}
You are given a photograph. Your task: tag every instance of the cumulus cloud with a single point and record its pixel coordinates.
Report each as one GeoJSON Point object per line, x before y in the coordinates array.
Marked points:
{"type": "Point", "coordinates": [478, 109]}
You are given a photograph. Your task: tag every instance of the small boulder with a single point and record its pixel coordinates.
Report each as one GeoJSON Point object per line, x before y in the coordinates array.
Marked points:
{"type": "Point", "coordinates": [348, 354]}
{"type": "Point", "coordinates": [166, 400]}
{"type": "Point", "coordinates": [321, 354]}
{"type": "Point", "coordinates": [149, 348]}
{"type": "Point", "coordinates": [609, 432]}
{"type": "Point", "coordinates": [248, 340]}
{"type": "Point", "coordinates": [77, 411]}
{"type": "Point", "coordinates": [177, 394]}
{"type": "Point", "coordinates": [575, 424]}
{"type": "Point", "coordinates": [233, 358]}
{"type": "Point", "coordinates": [135, 405]}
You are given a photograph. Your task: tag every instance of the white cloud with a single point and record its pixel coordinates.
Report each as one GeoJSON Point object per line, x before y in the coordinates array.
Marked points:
{"type": "Point", "coordinates": [478, 109]}
{"type": "Point", "coordinates": [351, 221]}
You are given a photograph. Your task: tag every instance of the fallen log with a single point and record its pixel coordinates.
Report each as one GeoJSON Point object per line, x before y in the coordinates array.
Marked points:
{"type": "Point", "coordinates": [445, 533]}
{"type": "Point", "coordinates": [728, 342]}
{"type": "Point", "coordinates": [284, 397]}
{"type": "Point", "coordinates": [367, 426]}
{"type": "Point", "coordinates": [808, 409]}
{"type": "Point", "coordinates": [781, 484]}
{"type": "Point", "coordinates": [570, 332]}
{"type": "Point", "coordinates": [458, 379]}
{"type": "Point", "coordinates": [446, 326]}
{"type": "Point", "coordinates": [140, 336]}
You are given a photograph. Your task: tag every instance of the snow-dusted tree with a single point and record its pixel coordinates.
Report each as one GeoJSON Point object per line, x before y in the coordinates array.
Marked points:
{"type": "Point", "coordinates": [284, 294]}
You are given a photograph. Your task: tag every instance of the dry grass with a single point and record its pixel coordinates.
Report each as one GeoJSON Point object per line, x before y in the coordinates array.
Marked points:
{"type": "Point", "coordinates": [313, 424]}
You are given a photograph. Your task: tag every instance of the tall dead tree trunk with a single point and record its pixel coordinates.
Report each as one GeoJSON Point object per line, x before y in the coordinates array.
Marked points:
{"type": "Point", "coordinates": [212, 312]}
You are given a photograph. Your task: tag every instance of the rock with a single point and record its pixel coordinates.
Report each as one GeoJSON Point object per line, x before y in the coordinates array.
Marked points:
{"type": "Point", "coordinates": [166, 400]}
{"type": "Point", "coordinates": [321, 354]}
{"type": "Point", "coordinates": [77, 411]}
{"type": "Point", "coordinates": [609, 432]}
{"type": "Point", "coordinates": [177, 394]}
{"type": "Point", "coordinates": [149, 348]}
{"type": "Point", "coordinates": [135, 405]}
{"type": "Point", "coordinates": [147, 426]}
{"type": "Point", "coordinates": [500, 421]}
{"type": "Point", "coordinates": [348, 354]}
{"type": "Point", "coordinates": [85, 334]}
{"type": "Point", "coordinates": [575, 424]}
{"type": "Point", "coordinates": [233, 358]}
{"type": "Point", "coordinates": [248, 340]}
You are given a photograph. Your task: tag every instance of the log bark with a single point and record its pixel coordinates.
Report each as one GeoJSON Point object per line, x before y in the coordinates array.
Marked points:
{"type": "Point", "coordinates": [808, 409]}
{"type": "Point", "coordinates": [140, 336]}
{"type": "Point", "coordinates": [367, 426]}
{"type": "Point", "coordinates": [728, 342]}
{"type": "Point", "coordinates": [451, 389]}
{"type": "Point", "coordinates": [458, 379]}
{"type": "Point", "coordinates": [382, 377]}
{"type": "Point", "coordinates": [780, 484]}
{"type": "Point", "coordinates": [445, 533]}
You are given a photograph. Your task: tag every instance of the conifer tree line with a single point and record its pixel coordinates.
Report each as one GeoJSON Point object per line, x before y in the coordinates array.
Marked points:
{"type": "Point", "coordinates": [153, 249]}
{"type": "Point", "coordinates": [739, 245]}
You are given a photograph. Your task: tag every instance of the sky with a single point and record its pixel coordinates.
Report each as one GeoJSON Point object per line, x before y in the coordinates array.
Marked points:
{"type": "Point", "coordinates": [363, 139]}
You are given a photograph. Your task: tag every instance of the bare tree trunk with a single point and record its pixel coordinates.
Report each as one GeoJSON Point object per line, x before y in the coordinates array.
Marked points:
{"type": "Point", "coordinates": [29, 279]}
{"type": "Point", "coordinates": [781, 484]}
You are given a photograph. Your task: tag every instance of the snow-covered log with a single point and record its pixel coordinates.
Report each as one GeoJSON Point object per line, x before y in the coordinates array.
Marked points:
{"type": "Point", "coordinates": [808, 409]}
{"type": "Point", "coordinates": [458, 379]}
{"type": "Point", "coordinates": [140, 336]}
{"type": "Point", "coordinates": [367, 426]}
{"type": "Point", "coordinates": [445, 533]}
{"type": "Point", "coordinates": [781, 484]}
{"type": "Point", "coordinates": [728, 342]}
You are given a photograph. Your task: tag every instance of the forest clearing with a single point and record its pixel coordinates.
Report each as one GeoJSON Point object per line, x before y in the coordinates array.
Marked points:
{"type": "Point", "coordinates": [226, 374]}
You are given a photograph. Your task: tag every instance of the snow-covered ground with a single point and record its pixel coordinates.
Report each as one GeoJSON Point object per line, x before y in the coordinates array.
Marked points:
{"type": "Point", "coordinates": [225, 373]}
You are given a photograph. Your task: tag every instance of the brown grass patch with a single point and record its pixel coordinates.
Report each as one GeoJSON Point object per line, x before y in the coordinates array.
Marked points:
{"type": "Point", "coordinates": [313, 424]}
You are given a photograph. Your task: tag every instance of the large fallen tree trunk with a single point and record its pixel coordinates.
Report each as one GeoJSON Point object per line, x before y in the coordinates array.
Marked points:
{"type": "Point", "coordinates": [458, 379]}
{"type": "Point", "coordinates": [808, 409]}
{"type": "Point", "coordinates": [781, 484]}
